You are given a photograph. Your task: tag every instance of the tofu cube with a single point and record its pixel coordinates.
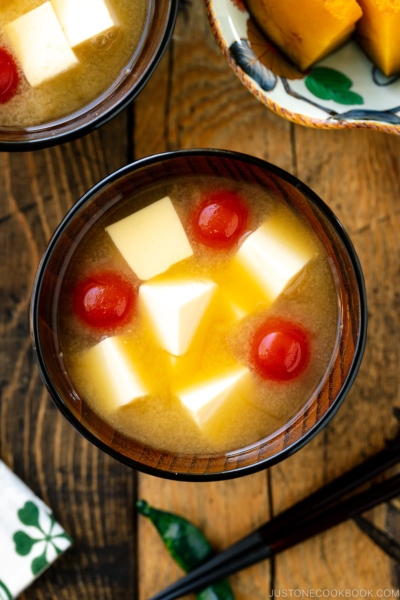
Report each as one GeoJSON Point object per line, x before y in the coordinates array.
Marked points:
{"type": "Point", "coordinates": [82, 20]}
{"type": "Point", "coordinates": [152, 239]}
{"type": "Point", "coordinates": [266, 262]}
{"type": "Point", "coordinates": [40, 45]}
{"type": "Point", "coordinates": [115, 379]}
{"type": "Point", "coordinates": [175, 309]}
{"type": "Point", "coordinates": [205, 399]}
{"type": "Point", "coordinates": [271, 258]}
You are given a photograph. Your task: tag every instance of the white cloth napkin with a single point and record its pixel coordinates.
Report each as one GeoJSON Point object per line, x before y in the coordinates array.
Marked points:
{"type": "Point", "coordinates": [30, 539]}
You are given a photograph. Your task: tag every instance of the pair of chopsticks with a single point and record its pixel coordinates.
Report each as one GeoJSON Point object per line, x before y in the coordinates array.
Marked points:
{"type": "Point", "coordinates": [318, 512]}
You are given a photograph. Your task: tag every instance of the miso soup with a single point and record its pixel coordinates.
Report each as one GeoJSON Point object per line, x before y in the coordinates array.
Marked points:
{"type": "Point", "coordinates": [198, 316]}
{"type": "Point", "coordinates": [57, 56]}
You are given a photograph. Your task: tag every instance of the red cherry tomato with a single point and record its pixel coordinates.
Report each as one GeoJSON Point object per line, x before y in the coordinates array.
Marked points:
{"type": "Point", "coordinates": [280, 350]}
{"type": "Point", "coordinates": [220, 220]}
{"type": "Point", "coordinates": [104, 299]}
{"type": "Point", "coordinates": [9, 78]}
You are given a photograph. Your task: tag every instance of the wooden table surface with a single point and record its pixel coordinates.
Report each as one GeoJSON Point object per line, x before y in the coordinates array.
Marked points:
{"type": "Point", "coordinates": [195, 100]}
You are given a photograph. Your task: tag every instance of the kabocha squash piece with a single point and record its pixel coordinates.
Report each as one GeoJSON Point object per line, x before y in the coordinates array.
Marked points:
{"type": "Point", "coordinates": [306, 31]}
{"type": "Point", "coordinates": [378, 33]}
{"type": "Point", "coordinates": [187, 546]}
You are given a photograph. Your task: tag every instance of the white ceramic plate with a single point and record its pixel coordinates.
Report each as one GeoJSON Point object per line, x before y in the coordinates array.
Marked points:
{"type": "Point", "coordinates": [343, 90]}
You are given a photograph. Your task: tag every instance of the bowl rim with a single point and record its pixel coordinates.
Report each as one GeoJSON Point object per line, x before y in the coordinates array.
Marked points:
{"type": "Point", "coordinates": [294, 117]}
{"type": "Point", "coordinates": [359, 346]}
{"type": "Point", "coordinates": [50, 140]}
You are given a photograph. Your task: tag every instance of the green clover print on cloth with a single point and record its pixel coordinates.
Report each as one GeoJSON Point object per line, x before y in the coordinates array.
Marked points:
{"type": "Point", "coordinates": [52, 540]}
{"type": "Point", "coordinates": [5, 593]}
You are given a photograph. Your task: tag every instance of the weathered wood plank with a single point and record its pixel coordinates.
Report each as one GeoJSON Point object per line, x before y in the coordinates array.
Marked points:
{"type": "Point", "coordinates": [357, 174]}
{"type": "Point", "coordinates": [91, 494]}
{"type": "Point", "coordinates": [195, 100]}
{"type": "Point", "coordinates": [204, 106]}
{"type": "Point", "coordinates": [352, 182]}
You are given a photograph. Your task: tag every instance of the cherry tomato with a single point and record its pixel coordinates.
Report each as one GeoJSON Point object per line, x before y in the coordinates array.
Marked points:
{"type": "Point", "coordinates": [9, 78]}
{"type": "Point", "coordinates": [280, 350]}
{"type": "Point", "coordinates": [220, 220]}
{"type": "Point", "coordinates": [104, 299]}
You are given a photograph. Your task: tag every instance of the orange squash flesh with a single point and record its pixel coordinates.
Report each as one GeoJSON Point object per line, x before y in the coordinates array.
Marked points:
{"type": "Point", "coordinates": [378, 33]}
{"type": "Point", "coordinates": [306, 31]}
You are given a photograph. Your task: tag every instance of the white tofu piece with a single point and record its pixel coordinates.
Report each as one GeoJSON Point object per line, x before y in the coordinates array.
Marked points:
{"type": "Point", "coordinates": [115, 377]}
{"type": "Point", "coordinates": [40, 45]}
{"type": "Point", "coordinates": [175, 309]}
{"type": "Point", "coordinates": [205, 399]}
{"type": "Point", "coordinates": [152, 239]}
{"type": "Point", "coordinates": [82, 20]}
{"type": "Point", "coordinates": [173, 360]}
{"type": "Point", "coordinates": [272, 256]}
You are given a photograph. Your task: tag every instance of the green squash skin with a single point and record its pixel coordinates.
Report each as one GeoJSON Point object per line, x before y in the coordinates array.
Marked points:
{"type": "Point", "coordinates": [187, 546]}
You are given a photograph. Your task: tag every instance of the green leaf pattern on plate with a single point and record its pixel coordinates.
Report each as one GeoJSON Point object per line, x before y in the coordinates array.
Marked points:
{"type": "Point", "coordinates": [330, 84]}
{"type": "Point", "coordinates": [29, 516]}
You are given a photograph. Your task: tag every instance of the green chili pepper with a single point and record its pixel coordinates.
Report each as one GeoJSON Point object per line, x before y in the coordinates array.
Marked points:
{"type": "Point", "coordinates": [187, 546]}
{"type": "Point", "coordinates": [219, 591]}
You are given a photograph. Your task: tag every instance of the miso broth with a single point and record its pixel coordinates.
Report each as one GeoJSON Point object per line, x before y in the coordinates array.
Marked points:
{"type": "Point", "coordinates": [224, 338]}
{"type": "Point", "coordinates": [102, 60]}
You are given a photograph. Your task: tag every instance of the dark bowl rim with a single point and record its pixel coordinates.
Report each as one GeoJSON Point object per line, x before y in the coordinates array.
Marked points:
{"type": "Point", "coordinates": [61, 138]}
{"type": "Point", "coordinates": [358, 353]}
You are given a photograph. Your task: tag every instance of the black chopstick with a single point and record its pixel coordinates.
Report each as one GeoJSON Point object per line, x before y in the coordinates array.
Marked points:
{"type": "Point", "coordinates": [310, 513]}
{"type": "Point", "coordinates": [340, 486]}
{"type": "Point", "coordinates": [337, 488]}
{"type": "Point", "coordinates": [207, 574]}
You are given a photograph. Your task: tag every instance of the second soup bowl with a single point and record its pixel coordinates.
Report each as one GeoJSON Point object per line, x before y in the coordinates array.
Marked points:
{"type": "Point", "coordinates": [67, 79]}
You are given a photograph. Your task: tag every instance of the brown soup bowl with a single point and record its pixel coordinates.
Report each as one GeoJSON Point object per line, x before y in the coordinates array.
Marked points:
{"type": "Point", "coordinates": [158, 29]}
{"type": "Point", "coordinates": [316, 411]}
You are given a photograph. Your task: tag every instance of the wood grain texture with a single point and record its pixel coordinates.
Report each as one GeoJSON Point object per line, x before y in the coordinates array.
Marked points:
{"type": "Point", "coordinates": [205, 106]}
{"type": "Point", "coordinates": [91, 494]}
{"type": "Point", "coordinates": [194, 100]}
{"type": "Point", "coordinates": [200, 104]}
{"type": "Point", "coordinates": [361, 184]}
